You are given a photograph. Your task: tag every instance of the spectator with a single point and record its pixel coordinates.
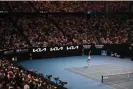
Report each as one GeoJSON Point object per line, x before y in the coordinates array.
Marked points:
{"type": "Point", "coordinates": [26, 86]}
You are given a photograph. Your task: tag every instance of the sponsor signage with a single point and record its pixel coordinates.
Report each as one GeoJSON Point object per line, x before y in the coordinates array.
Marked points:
{"type": "Point", "coordinates": [86, 46]}
{"type": "Point", "coordinates": [8, 51]}
{"type": "Point", "coordinates": [72, 47]}
{"type": "Point", "coordinates": [56, 48]}
{"type": "Point", "coordinates": [99, 46]}
{"type": "Point", "coordinates": [52, 49]}
{"type": "Point", "coordinates": [64, 49]}
{"type": "Point", "coordinates": [39, 49]}
{"type": "Point", "coordinates": [21, 50]}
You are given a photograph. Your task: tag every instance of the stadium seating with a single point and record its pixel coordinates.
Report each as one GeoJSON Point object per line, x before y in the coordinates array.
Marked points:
{"type": "Point", "coordinates": [50, 30]}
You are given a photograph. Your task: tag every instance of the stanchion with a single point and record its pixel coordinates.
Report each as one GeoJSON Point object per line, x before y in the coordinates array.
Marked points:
{"type": "Point", "coordinates": [102, 79]}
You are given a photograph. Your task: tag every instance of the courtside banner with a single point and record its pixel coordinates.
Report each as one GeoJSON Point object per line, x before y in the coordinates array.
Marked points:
{"type": "Point", "coordinates": [22, 50]}
{"type": "Point", "coordinates": [9, 51]}
{"type": "Point", "coordinates": [69, 50]}
{"type": "Point", "coordinates": [63, 48]}
{"type": "Point", "coordinates": [99, 46]}
{"type": "Point", "coordinates": [56, 48]}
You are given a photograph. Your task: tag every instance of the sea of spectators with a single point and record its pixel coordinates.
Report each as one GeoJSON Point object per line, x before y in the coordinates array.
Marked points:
{"type": "Point", "coordinates": [20, 6]}
{"type": "Point", "coordinates": [129, 28]}
{"type": "Point", "coordinates": [76, 27]}
{"type": "Point", "coordinates": [41, 31]}
{"type": "Point", "coordinates": [66, 6]}
{"type": "Point", "coordinates": [118, 6]}
{"type": "Point", "coordinates": [13, 76]}
{"type": "Point", "coordinates": [110, 30]}
{"type": "Point", "coordinates": [10, 35]}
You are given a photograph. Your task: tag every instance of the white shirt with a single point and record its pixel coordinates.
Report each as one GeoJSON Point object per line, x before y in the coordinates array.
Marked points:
{"type": "Point", "coordinates": [26, 86]}
{"type": "Point", "coordinates": [89, 57]}
{"type": "Point", "coordinates": [1, 86]}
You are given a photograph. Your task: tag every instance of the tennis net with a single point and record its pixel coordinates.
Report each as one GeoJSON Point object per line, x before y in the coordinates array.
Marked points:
{"type": "Point", "coordinates": [117, 78]}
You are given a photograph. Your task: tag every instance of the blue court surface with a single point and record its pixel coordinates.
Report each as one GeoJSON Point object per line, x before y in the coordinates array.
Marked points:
{"type": "Point", "coordinates": [58, 68]}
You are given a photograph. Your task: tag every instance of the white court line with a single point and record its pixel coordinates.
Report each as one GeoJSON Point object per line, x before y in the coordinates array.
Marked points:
{"type": "Point", "coordinates": [119, 66]}
{"type": "Point", "coordinates": [114, 69]}
{"type": "Point", "coordinates": [98, 79]}
{"type": "Point", "coordinates": [94, 80]}
{"type": "Point", "coordinates": [104, 84]}
{"type": "Point", "coordinates": [84, 74]}
{"type": "Point", "coordinates": [108, 64]}
{"type": "Point", "coordinates": [100, 84]}
{"type": "Point", "coordinates": [118, 85]}
{"type": "Point", "coordinates": [104, 71]}
{"type": "Point", "coordinates": [108, 70]}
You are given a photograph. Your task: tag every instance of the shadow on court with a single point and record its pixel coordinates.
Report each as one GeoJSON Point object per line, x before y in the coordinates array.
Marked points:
{"type": "Point", "coordinates": [115, 76]}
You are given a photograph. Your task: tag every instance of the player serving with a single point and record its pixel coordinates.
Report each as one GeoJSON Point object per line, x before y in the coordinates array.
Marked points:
{"type": "Point", "coordinates": [89, 58]}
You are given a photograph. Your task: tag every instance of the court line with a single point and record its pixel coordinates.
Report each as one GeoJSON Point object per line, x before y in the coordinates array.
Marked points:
{"type": "Point", "coordinates": [98, 71]}
{"type": "Point", "coordinates": [115, 69]}
{"type": "Point", "coordinates": [110, 64]}
{"type": "Point", "coordinates": [107, 71]}
{"type": "Point", "coordinates": [82, 73]}
{"type": "Point", "coordinates": [101, 83]}
{"type": "Point", "coordinates": [117, 85]}
{"type": "Point", "coordinates": [77, 72]}
{"type": "Point", "coordinates": [119, 66]}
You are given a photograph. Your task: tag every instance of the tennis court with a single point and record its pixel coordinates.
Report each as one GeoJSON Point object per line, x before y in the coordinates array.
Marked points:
{"type": "Point", "coordinates": [115, 76]}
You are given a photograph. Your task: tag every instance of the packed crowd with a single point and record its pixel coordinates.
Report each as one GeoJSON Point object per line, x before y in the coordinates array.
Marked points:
{"type": "Point", "coordinates": [20, 6]}
{"type": "Point", "coordinates": [74, 6]}
{"type": "Point", "coordinates": [118, 6]}
{"type": "Point", "coordinates": [129, 28]}
{"type": "Point", "coordinates": [66, 6]}
{"type": "Point", "coordinates": [109, 30]}
{"type": "Point", "coordinates": [15, 77]}
{"type": "Point", "coordinates": [41, 31]}
{"type": "Point", "coordinates": [77, 6]}
{"type": "Point", "coordinates": [76, 27]}
{"type": "Point", "coordinates": [10, 36]}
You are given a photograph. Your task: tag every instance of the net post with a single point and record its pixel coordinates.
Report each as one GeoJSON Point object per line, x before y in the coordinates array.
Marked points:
{"type": "Point", "coordinates": [102, 79]}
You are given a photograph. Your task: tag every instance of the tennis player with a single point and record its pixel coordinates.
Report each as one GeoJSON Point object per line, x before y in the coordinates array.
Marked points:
{"type": "Point", "coordinates": [89, 58]}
